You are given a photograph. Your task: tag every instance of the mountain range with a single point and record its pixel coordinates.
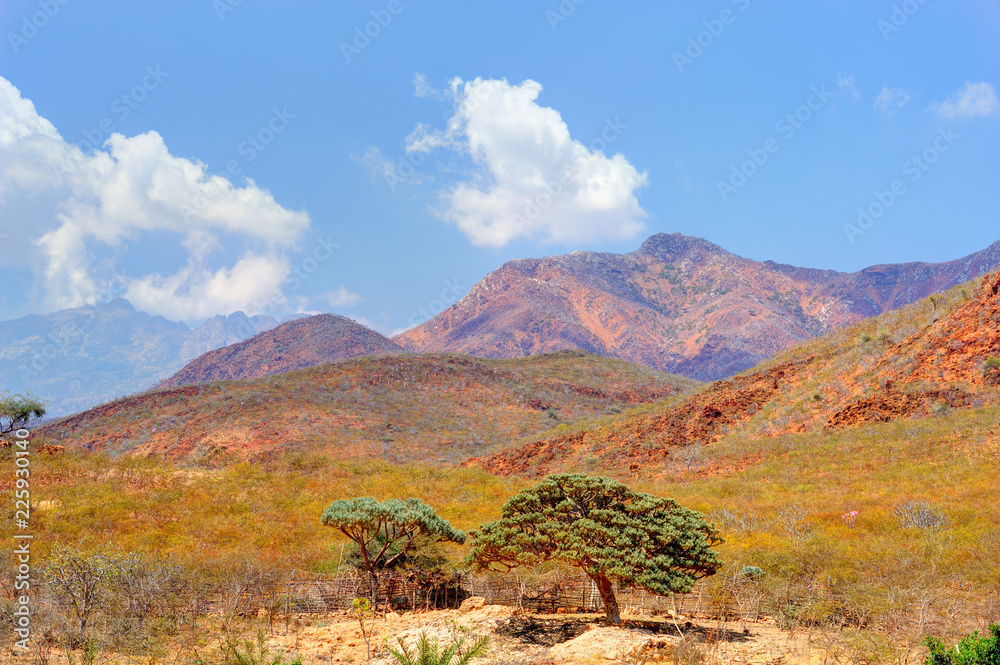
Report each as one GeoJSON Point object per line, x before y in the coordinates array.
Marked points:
{"type": "Point", "coordinates": [567, 410]}
{"type": "Point", "coordinates": [679, 304]}
{"type": "Point", "coordinates": [75, 358]}
{"type": "Point", "coordinates": [923, 360]}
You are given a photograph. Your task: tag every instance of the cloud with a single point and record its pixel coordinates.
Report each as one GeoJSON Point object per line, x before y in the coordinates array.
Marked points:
{"type": "Point", "coordinates": [421, 88]}
{"type": "Point", "coordinates": [341, 297]}
{"type": "Point", "coordinates": [529, 178]}
{"type": "Point", "coordinates": [195, 292]}
{"type": "Point", "coordinates": [96, 206]}
{"type": "Point", "coordinates": [393, 174]}
{"type": "Point", "coordinates": [847, 83]}
{"type": "Point", "coordinates": [891, 100]}
{"type": "Point", "coordinates": [975, 99]}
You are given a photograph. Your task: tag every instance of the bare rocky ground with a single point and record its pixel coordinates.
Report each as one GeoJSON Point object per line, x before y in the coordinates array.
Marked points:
{"type": "Point", "coordinates": [521, 639]}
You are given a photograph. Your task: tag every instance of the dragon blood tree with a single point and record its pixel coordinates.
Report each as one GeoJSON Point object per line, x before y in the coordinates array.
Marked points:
{"type": "Point", "coordinates": [385, 531]}
{"type": "Point", "coordinates": [611, 532]}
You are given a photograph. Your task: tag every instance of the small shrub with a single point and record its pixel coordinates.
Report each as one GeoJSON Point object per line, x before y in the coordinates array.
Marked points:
{"type": "Point", "coordinates": [738, 520]}
{"type": "Point", "coordinates": [991, 370]}
{"type": "Point", "coordinates": [919, 515]}
{"type": "Point", "coordinates": [971, 650]}
{"type": "Point", "coordinates": [429, 652]}
{"type": "Point", "coordinates": [688, 651]}
{"type": "Point", "coordinates": [792, 519]}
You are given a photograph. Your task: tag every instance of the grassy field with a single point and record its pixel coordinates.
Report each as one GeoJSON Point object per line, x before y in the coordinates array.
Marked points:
{"type": "Point", "coordinates": [778, 501]}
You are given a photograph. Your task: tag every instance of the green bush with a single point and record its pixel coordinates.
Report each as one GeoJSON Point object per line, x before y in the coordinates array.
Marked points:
{"type": "Point", "coordinates": [971, 650]}
{"type": "Point", "coordinates": [428, 652]}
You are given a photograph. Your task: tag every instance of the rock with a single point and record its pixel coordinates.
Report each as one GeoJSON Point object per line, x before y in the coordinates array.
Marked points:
{"type": "Point", "coordinates": [601, 643]}
{"type": "Point", "coordinates": [473, 603]}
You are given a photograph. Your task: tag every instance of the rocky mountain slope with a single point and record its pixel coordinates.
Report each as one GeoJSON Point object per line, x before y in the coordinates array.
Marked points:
{"type": "Point", "coordinates": [433, 409]}
{"type": "Point", "coordinates": [922, 360]}
{"type": "Point", "coordinates": [305, 342]}
{"type": "Point", "coordinates": [75, 358]}
{"type": "Point", "coordinates": [678, 303]}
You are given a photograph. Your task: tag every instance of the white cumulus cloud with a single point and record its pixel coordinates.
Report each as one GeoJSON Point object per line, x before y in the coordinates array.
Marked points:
{"type": "Point", "coordinates": [974, 100]}
{"type": "Point", "coordinates": [110, 199]}
{"type": "Point", "coordinates": [530, 178]}
{"type": "Point", "coordinates": [341, 297]}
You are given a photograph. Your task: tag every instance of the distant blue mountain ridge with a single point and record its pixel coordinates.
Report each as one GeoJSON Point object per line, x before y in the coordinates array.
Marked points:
{"type": "Point", "coordinates": [76, 358]}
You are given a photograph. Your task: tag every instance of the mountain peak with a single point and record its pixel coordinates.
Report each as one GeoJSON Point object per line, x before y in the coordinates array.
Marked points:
{"type": "Point", "coordinates": [118, 304]}
{"type": "Point", "coordinates": [304, 342]}
{"type": "Point", "coordinates": [670, 246]}
{"type": "Point", "coordinates": [678, 303]}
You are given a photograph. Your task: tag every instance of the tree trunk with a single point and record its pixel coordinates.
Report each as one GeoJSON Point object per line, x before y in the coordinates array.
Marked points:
{"type": "Point", "coordinates": [608, 598]}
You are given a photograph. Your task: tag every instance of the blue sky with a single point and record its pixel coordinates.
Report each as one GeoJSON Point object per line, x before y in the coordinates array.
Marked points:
{"type": "Point", "coordinates": [456, 136]}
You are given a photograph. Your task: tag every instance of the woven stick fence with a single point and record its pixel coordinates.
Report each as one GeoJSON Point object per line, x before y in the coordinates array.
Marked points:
{"type": "Point", "coordinates": [549, 593]}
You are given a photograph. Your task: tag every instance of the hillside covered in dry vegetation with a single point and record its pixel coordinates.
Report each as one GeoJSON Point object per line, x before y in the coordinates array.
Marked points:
{"type": "Point", "coordinates": [435, 408]}
{"type": "Point", "coordinates": [939, 354]}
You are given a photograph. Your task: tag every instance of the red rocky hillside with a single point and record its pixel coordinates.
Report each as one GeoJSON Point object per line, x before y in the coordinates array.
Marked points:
{"type": "Point", "coordinates": [923, 360]}
{"type": "Point", "coordinates": [678, 304]}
